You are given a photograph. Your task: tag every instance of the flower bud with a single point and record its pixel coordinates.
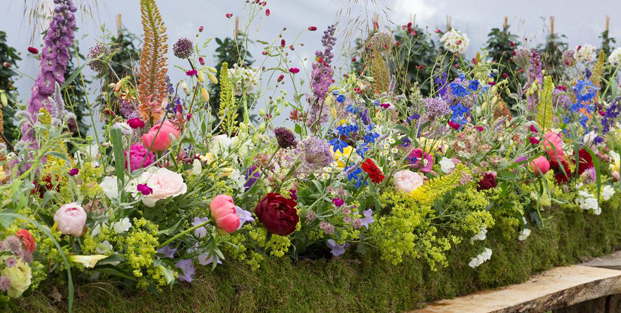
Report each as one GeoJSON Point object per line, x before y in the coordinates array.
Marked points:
{"type": "Point", "coordinates": [205, 94]}
{"type": "Point", "coordinates": [201, 76]}
{"type": "Point", "coordinates": [262, 112]}
{"type": "Point", "coordinates": [185, 87]}
{"type": "Point", "coordinates": [212, 78]}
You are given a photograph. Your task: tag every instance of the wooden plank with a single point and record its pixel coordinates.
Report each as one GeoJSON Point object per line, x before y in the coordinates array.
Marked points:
{"type": "Point", "coordinates": [557, 288]}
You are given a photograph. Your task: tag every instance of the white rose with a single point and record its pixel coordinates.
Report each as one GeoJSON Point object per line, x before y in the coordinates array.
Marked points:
{"type": "Point", "coordinates": [447, 165]}
{"type": "Point", "coordinates": [165, 183]}
{"type": "Point", "coordinates": [110, 187]}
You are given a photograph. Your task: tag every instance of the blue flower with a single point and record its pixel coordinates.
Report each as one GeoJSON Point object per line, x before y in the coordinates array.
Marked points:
{"type": "Point", "coordinates": [362, 150]}
{"type": "Point", "coordinates": [345, 130]}
{"type": "Point", "coordinates": [167, 251]}
{"type": "Point", "coordinates": [583, 121]}
{"type": "Point", "coordinates": [474, 85]}
{"type": "Point", "coordinates": [462, 76]}
{"type": "Point", "coordinates": [338, 144]}
{"type": "Point", "coordinates": [335, 249]}
{"type": "Point", "coordinates": [352, 109]}
{"type": "Point", "coordinates": [415, 116]}
{"type": "Point", "coordinates": [459, 109]}
{"type": "Point", "coordinates": [370, 137]}
{"type": "Point", "coordinates": [459, 90]}
{"type": "Point", "coordinates": [201, 231]}
{"type": "Point", "coordinates": [341, 98]}
{"type": "Point", "coordinates": [335, 92]}
{"type": "Point", "coordinates": [376, 102]}
{"type": "Point", "coordinates": [187, 267]}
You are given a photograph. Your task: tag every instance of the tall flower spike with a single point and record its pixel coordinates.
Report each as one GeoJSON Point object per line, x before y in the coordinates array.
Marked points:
{"type": "Point", "coordinates": [153, 67]}
{"type": "Point", "coordinates": [54, 58]}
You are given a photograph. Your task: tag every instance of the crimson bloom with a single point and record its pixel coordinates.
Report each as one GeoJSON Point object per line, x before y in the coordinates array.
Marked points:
{"type": "Point", "coordinates": [487, 182]}
{"type": "Point", "coordinates": [27, 239]}
{"type": "Point", "coordinates": [454, 125]}
{"type": "Point", "coordinates": [312, 28]}
{"type": "Point", "coordinates": [278, 214]}
{"type": "Point", "coordinates": [33, 50]}
{"type": "Point", "coordinates": [229, 15]}
{"type": "Point", "coordinates": [267, 12]}
{"type": "Point", "coordinates": [135, 123]}
{"type": "Point", "coordinates": [294, 70]}
{"type": "Point", "coordinates": [586, 161]}
{"type": "Point", "coordinates": [375, 173]}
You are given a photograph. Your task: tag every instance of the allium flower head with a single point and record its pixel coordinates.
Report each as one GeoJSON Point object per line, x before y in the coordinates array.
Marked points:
{"type": "Point", "coordinates": [95, 54]}
{"type": "Point", "coordinates": [183, 48]}
{"type": "Point", "coordinates": [569, 57]}
{"type": "Point", "coordinates": [522, 58]}
{"type": "Point", "coordinates": [436, 107]}
{"type": "Point", "coordinates": [285, 137]}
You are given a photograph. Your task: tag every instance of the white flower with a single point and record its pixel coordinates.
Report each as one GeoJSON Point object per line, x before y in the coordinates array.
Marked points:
{"type": "Point", "coordinates": [110, 187]}
{"type": "Point", "coordinates": [104, 248]}
{"type": "Point", "coordinates": [122, 226]}
{"type": "Point", "coordinates": [164, 182]}
{"type": "Point", "coordinates": [480, 236]}
{"type": "Point", "coordinates": [197, 167]}
{"type": "Point", "coordinates": [585, 53]}
{"type": "Point", "coordinates": [244, 79]}
{"type": "Point", "coordinates": [447, 165]}
{"type": "Point", "coordinates": [220, 144]}
{"type": "Point", "coordinates": [589, 140]}
{"type": "Point", "coordinates": [481, 258]}
{"type": "Point", "coordinates": [124, 128]}
{"type": "Point", "coordinates": [524, 234]}
{"type": "Point", "coordinates": [607, 192]}
{"type": "Point", "coordinates": [454, 41]}
{"type": "Point", "coordinates": [615, 57]}
{"type": "Point", "coordinates": [89, 261]}
{"type": "Point", "coordinates": [407, 181]}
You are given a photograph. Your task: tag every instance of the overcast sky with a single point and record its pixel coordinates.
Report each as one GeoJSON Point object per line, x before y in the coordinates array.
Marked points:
{"type": "Point", "coordinates": [581, 21]}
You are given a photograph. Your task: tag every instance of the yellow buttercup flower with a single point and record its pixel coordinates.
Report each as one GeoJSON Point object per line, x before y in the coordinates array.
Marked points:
{"type": "Point", "coordinates": [341, 158]}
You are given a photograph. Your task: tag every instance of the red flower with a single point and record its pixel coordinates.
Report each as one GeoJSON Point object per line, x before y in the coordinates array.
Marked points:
{"type": "Point", "coordinates": [479, 128]}
{"type": "Point", "coordinates": [191, 73]}
{"type": "Point", "coordinates": [375, 173]}
{"type": "Point", "coordinates": [586, 161]}
{"type": "Point", "coordinates": [27, 239]}
{"type": "Point", "coordinates": [291, 47]}
{"type": "Point", "coordinates": [135, 123]}
{"type": "Point", "coordinates": [312, 28]}
{"type": "Point", "coordinates": [267, 12]}
{"type": "Point", "coordinates": [487, 182]}
{"type": "Point", "coordinates": [294, 70]}
{"type": "Point", "coordinates": [353, 59]}
{"type": "Point", "coordinates": [200, 29]}
{"type": "Point", "coordinates": [561, 175]}
{"type": "Point", "coordinates": [280, 78]}
{"type": "Point", "coordinates": [33, 50]}
{"type": "Point", "coordinates": [201, 60]}
{"type": "Point", "coordinates": [229, 15]}
{"type": "Point", "coordinates": [454, 125]}
{"type": "Point", "coordinates": [532, 128]}
{"type": "Point", "coordinates": [278, 214]}
{"type": "Point", "coordinates": [533, 140]}
{"type": "Point", "coordinates": [283, 43]}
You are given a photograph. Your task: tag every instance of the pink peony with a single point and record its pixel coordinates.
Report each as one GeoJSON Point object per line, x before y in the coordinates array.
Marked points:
{"type": "Point", "coordinates": [224, 213]}
{"type": "Point", "coordinates": [139, 157]}
{"type": "Point", "coordinates": [164, 183]}
{"type": "Point", "coordinates": [553, 145]}
{"type": "Point", "coordinates": [407, 181]}
{"type": "Point", "coordinates": [540, 164]}
{"type": "Point", "coordinates": [160, 136]}
{"type": "Point", "coordinates": [70, 219]}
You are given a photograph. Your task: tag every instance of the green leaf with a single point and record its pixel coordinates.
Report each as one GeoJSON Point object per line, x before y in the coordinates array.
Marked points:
{"type": "Point", "coordinates": [73, 76]}
{"type": "Point", "coordinates": [119, 160]}
{"type": "Point", "coordinates": [6, 220]}
{"type": "Point", "coordinates": [59, 155]}
{"type": "Point", "coordinates": [298, 129]}
{"type": "Point", "coordinates": [111, 260]}
{"type": "Point", "coordinates": [169, 276]}
{"type": "Point", "coordinates": [114, 271]}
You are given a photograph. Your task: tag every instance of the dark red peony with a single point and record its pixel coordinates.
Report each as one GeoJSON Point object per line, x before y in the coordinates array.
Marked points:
{"type": "Point", "coordinates": [375, 173]}
{"type": "Point", "coordinates": [278, 214]}
{"type": "Point", "coordinates": [586, 161]}
{"type": "Point", "coordinates": [487, 182]}
{"type": "Point", "coordinates": [563, 174]}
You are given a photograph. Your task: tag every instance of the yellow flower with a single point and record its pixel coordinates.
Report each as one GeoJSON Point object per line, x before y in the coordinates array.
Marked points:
{"type": "Point", "coordinates": [341, 158]}
{"type": "Point", "coordinates": [206, 158]}
{"type": "Point", "coordinates": [89, 261]}
{"type": "Point", "coordinates": [226, 172]}
{"type": "Point", "coordinates": [20, 276]}
{"type": "Point", "coordinates": [616, 161]}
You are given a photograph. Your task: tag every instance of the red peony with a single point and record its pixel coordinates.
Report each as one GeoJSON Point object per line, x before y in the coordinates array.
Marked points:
{"type": "Point", "coordinates": [278, 214]}
{"type": "Point", "coordinates": [375, 173]}
{"type": "Point", "coordinates": [586, 161]}
{"type": "Point", "coordinates": [487, 182]}
{"type": "Point", "coordinates": [27, 239]}
{"type": "Point", "coordinates": [561, 175]}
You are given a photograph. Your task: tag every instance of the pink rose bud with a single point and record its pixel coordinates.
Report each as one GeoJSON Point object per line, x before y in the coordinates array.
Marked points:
{"type": "Point", "coordinates": [407, 181]}
{"type": "Point", "coordinates": [224, 213]}
{"type": "Point", "coordinates": [158, 138]}
{"type": "Point", "coordinates": [553, 145]}
{"type": "Point", "coordinates": [70, 219]}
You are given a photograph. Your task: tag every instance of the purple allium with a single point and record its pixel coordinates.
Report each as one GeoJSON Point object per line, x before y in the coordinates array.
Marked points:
{"type": "Point", "coordinates": [560, 99]}
{"type": "Point", "coordinates": [10, 262]}
{"type": "Point", "coordinates": [321, 78]}
{"type": "Point", "coordinates": [183, 48]}
{"type": "Point", "coordinates": [569, 57]}
{"type": "Point", "coordinates": [244, 216]}
{"type": "Point", "coordinates": [12, 244]}
{"type": "Point", "coordinates": [315, 153]}
{"type": "Point", "coordinates": [144, 189]}
{"type": "Point", "coordinates": [335, 249]}
{"type": "Point", "coordinates": [187, 267]}
{"type": "Point", "coordinates": [589, 176]}
{"type": "Point", "coordinates": [128, 109]}
{"type": "Point", "coordinates": [206, 259]}
{"type": "Point", "coordinates": [139, 157]}
{"type": "Point", "coordinates": [327, 228]}
{"type": "Point", "coordinates": [167, 251]}
{"type": "Point", "coordinates": [310, 216]}
{"type": "Point", "coordinates": [285, 137]}
{"type": "Point", "coordinates": [252, 175]}
{"type": "Point", "coordinates": [201, 231]}
{"type": "Point", "coordinates": [5, 283]}
{"type": "Point", "coordinates": [54, 58]}
{"type": "Point", "coordinates": [436, 107]}
{"type": "Point", "coordinates": [95, 54]}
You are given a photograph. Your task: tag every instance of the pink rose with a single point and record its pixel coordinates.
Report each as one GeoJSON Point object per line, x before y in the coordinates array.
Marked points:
{"type": "Point", "coordinates": [160, 136]}
{"type": "Point", "coordinates": [70, 219]}
{"type": "Point", "coordinates": [164, 183]}
{"type": "Point", "coordinates": [407, 181]}
{"type": "Point", "coordinates": [553, 145]}
{"type": "Point", "coordinates": [224, 213]}
{"type": "Point", "coordinates": [540, 164]}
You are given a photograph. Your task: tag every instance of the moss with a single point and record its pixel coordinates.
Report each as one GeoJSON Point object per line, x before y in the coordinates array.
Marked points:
{"type": "Point", "coordinates": [359, 283]}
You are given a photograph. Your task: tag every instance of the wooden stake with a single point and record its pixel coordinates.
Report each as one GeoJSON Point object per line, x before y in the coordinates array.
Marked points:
{"type": "Point", "coordinates": [119, 24]}
{"type": "Point", "coordinates": [375, 21]}
{"type": "Point", "coordinates": [236, 27]}
{"type": "Point", "coordinates": [448, 23]}
{"type": "Point", "coordinates": [551, 24]}
{"type": "Point", "coordinates": [504, 24]}
{"type": "Point", "coordinates": [607, 22]}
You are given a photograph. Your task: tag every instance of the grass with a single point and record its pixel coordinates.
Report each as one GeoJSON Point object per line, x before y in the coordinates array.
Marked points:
{"type": "Point", "coordinates": [357, 283]}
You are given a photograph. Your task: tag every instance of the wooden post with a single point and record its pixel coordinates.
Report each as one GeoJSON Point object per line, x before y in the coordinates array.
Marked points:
{"type": "Point", "coordinates": [505, 22]}
{"type": "Point", "coordinates": [607, 22]}
{"type": "Point", "coordinates": [236, 27]}
{"type": "Point", "coordinates": [119, 24]}
{"type": "Point", "coordinates": [448, 23]}
{"type": "Point", "coordinates": [551, 24]}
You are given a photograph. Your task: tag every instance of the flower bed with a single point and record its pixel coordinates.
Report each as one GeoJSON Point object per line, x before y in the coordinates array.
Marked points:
{"type": "Point", "coordinates": [384, 191]}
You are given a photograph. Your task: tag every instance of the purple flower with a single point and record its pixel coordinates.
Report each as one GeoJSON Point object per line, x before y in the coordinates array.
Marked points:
{"type": "Point", "coordinates": [244, 216]}
{"type": "Point", "coordinates": [139, 157]}
{"type": "Point", "coordinates": [521, 159]}
{"type": "Point", "coordinates": [335, 249]}
{"type": "Point", "coordinates": [367, 219]}
{"type": "Point", "coordinates": [316, 153]}
{"type": "Point", "coordinates": [293, 194]}
{"type": "Point", "coordinates": [201, 231]}
{"type": "Point", "coordinates": [436, 107]}
{"type": "Point", "coordinates": [10, 262]}
{"type": "Point", "coordinates": [206, 259]}
{"type": "Point", "coordinates": [5, 283]}
{"type": "Point", "coordinates": [167, 251]}
{"type": "Point", "coordinates": [74, 171]}
{"type": "Point", "coordinates": [338, 202]}
{"type": "Point", "coordinates": [144, 189]}
{"type": "Point", "coordinates": [252, 175]}
{"type": "Point", "coordinates": [187, 267]}
{"type": "Point", "coordinates": [321, 78]}
{"type": "Point", "coordinates": [183, 48]}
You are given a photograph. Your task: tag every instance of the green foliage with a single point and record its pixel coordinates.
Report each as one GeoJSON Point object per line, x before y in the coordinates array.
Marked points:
{"type": "Point", "coordinates": [500, 46]}
{"type": "Point", "coordinates": [415, 62]}
{"type": "Point", "coordinates": [8, 55]}
{"type": "Point", "coordinates": [544, 107]}
{"type": "Point", "coordinates": [552, 54]}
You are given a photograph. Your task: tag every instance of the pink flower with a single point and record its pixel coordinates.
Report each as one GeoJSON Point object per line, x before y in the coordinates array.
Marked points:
{"type": "Point", "coordinates": [267, 12]}
{"type": "Point", "coordinates": [191, 73]}
{"type": "Point", "coordinates": [139, 157]}
{"type": "Point", "coordinates": [553, 145]}
{"type": "Point", "coordinates": [158, 138]}
{"type": "Point", "coordinates": [540, 164]}
{"type": "Point", "coordinates": [135, 123]}
{"type": "Point", "coordinates": [70, 219]}
{"type": "Point", "coordinates": [407, 181]}
{"type": "Point", "coordinates": [533, 140]}
{"type": "Point", "coordinates": [338, 202]}
{"type": "Point", "coordinates": [164, 183]}
{"type": "Point", "coordinates": [33, 50]}
{"type": "Point", "coordinates": [420, 160]}
{"type": "Point", "coordinates": [294, 70]}
{"type": "Point", "coordinates": [223, 212]}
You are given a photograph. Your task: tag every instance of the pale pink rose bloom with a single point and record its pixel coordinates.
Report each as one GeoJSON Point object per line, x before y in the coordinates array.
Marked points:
{"type": "Point", "coordinates": [540, 164]}
{"type": "Point", "coordinates": [165, 183]}
{"type": "Point", "coordinates": [407, 181]}
{"type": "Point", "coordinates": [70, 219]}
{"type": "Point", "coordinates": [553, 145]}
{"type": "Point", "coordinates": [224, 213]}
{"type": "Point", "coordinates": [160, 139]}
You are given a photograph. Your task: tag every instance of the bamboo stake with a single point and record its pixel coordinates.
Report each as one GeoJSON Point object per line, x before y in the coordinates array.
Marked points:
{"type": "Point", "coordinates": [551, 24]}
{"type": "Point", "coordinates": [448, 23]}
{"type": "Point", "coordinates": [236, 27]}
{"type": "Point", "coordinates": [504, 24]}
{"type": "Point", "coordinates": [607, 22]}
{"type": "Point", "coordinates": [119, 24]}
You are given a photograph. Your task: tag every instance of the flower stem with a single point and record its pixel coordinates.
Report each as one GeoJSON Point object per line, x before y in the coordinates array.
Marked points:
{"type": "Point", "coordinates": [182, 233]}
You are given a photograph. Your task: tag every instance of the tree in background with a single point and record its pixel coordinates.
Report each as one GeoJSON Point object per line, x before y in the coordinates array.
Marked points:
{"type": "Point", "coordinates": [415, 58]}
{"type": "Point", "coordinates": [501, 46]}
{"type": "Point", "coordinates": [8, 61]}
{"type": "Point", "coordinates": [552, 54]}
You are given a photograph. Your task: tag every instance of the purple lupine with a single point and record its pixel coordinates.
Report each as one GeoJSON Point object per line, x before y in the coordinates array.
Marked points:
{"type": "Point", "coordinates": [321, 78]}
{"type": "Point", "coordinates": [535, 74]}
{"type": "Point", "coordinates": [54, 58]}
